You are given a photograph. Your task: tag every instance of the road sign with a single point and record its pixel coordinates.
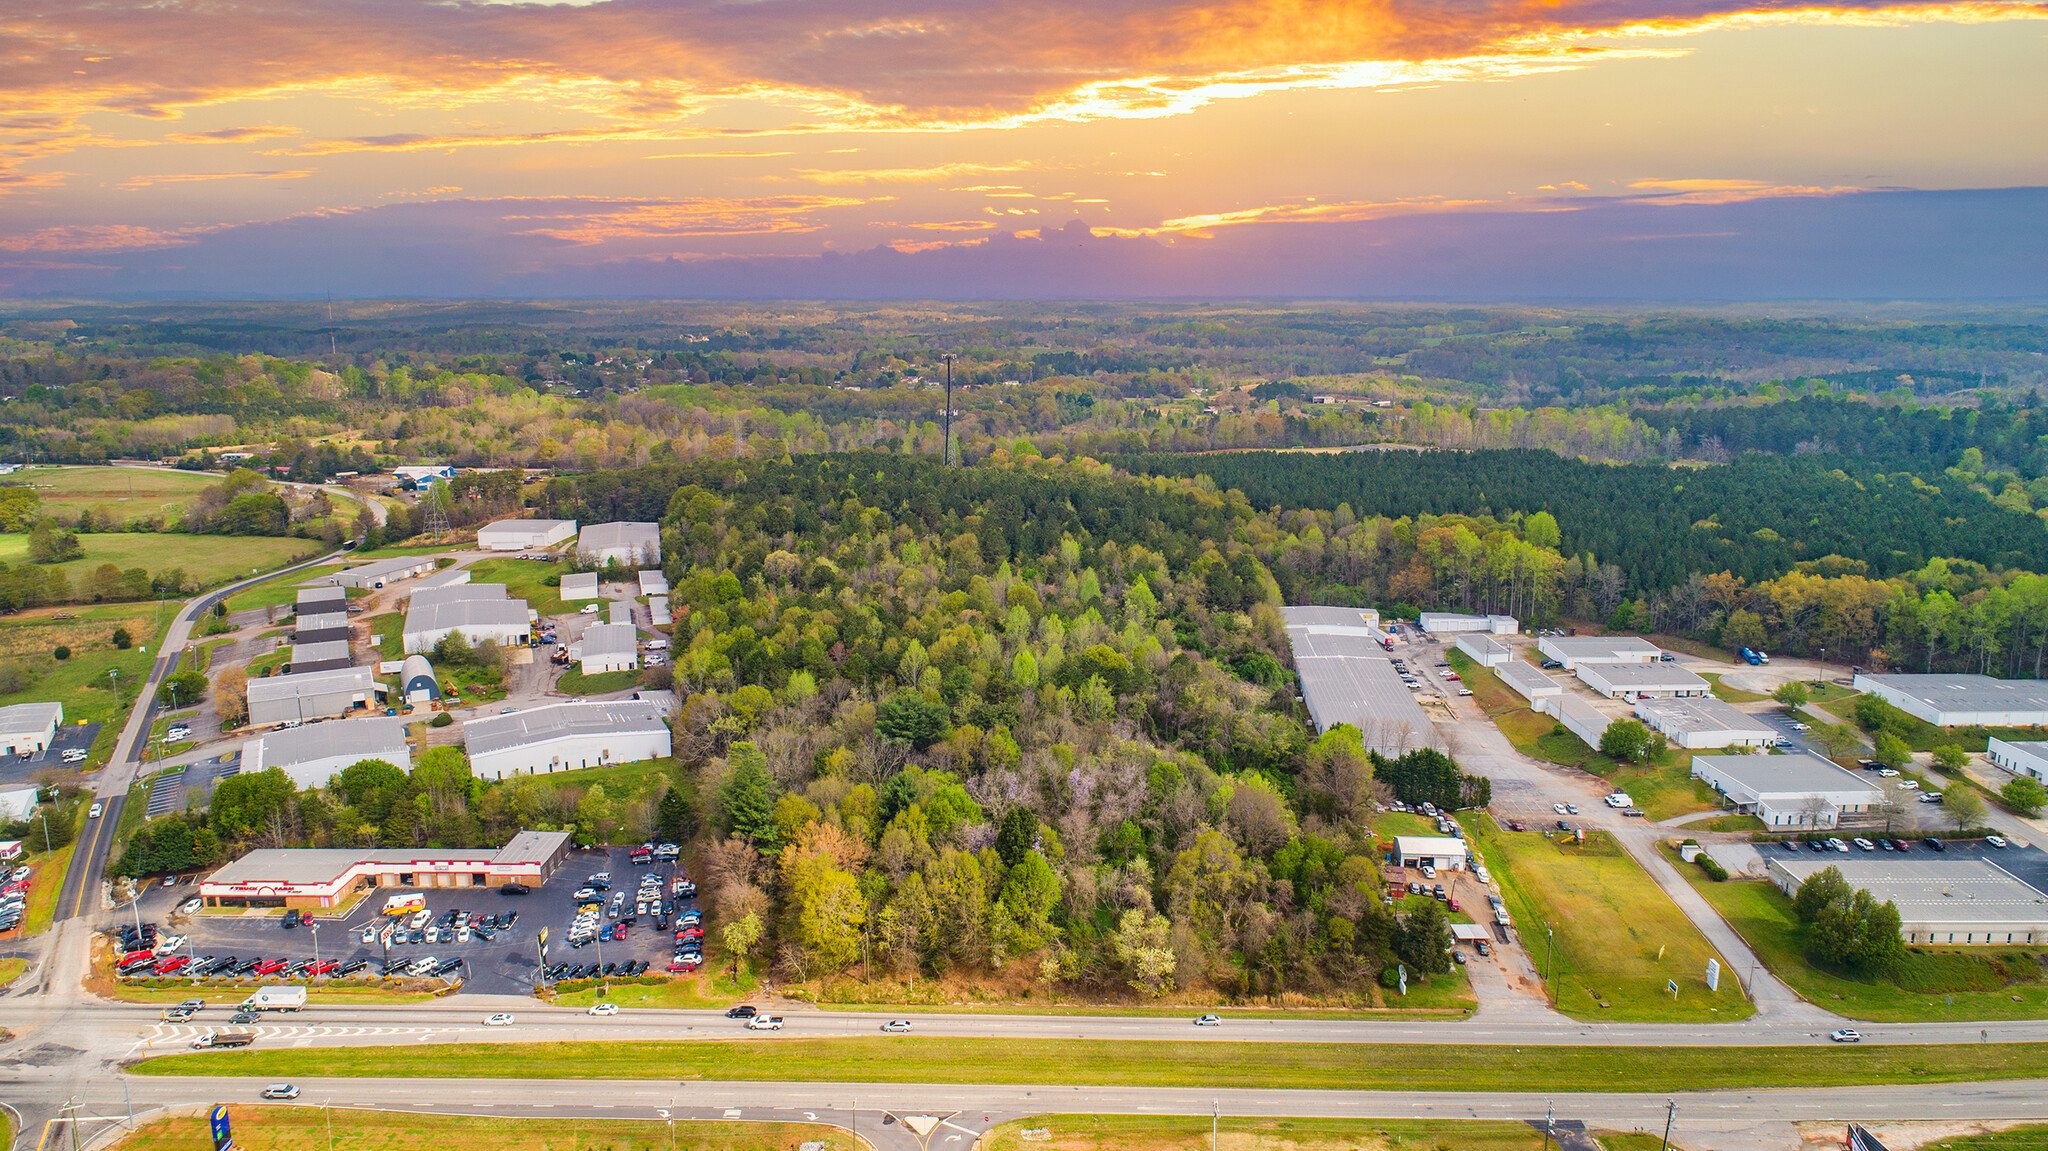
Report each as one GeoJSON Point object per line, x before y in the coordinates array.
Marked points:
{"type": "Point", "coordinates": [1404, 977]}
{"type": "Point", "coordinates": [1671, 985]}
{"type": "Point", "coordinates": [1713, 975]}
{"type": "Point", "coordinates": [223, 1136]}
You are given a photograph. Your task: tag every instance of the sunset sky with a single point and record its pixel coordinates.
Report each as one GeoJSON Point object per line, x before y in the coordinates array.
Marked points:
{"type": "Point", "coordinates": [1467, 148]}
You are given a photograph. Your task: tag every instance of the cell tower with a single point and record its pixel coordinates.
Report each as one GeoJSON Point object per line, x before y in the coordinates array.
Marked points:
{"type": "Point", "coordinates": [437, 509]}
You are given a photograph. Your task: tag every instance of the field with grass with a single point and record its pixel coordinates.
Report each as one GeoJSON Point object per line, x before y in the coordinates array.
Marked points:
{"type": "Point", "coordinates": [1957, 984]}
{"type": "Point", "coordinates": [575, 682]}
{"type": "Point", "coordinates": [261, 1127]}
{"type": "Point", "coordinates": [130, 493]}
{"type": "Point", "coordinates": [11, 969]}
{"type": "Point", "coordinates": [2025, 1137]}
{"type": "Point", "coordinates": [207, 560]}
{"type": "Point", "coordinates": [49, 879]}
{"type": "Point", "coordinates": [1189, 1133]}
{"type": "Point", "coordinates": [1924, 736]}
{"type": "Point", "coordinates": [81, 682]}
{"type": "Point", "coordinates": [282, 590]}
{"type": "Point", "coordinates": [525, 579]}
{"type": "Point", "coordinates": [682, 992]}
{"type": "Point", "coordinates": [1143, 1063]}
{"type": "Point", "coordinates": [1618, 936]}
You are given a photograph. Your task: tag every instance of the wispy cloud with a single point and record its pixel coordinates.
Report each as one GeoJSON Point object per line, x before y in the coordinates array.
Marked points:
{"type": "Point", "coordinates": [588, 221]}
{"type": "Point", "coordinates": [901, 175]}
{"type": "Point", "coordinates": [200, 177]}
{"type": "Point", "coordinates": [96, 238]}
{"type": "Point", "coordinates": [229, 135]}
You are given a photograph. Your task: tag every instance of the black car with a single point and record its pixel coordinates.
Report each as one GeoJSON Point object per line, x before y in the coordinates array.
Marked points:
{"type": "Point", "coordinates": [350, 968]}
{"type": "Point", "coordinates": [447, 965]}
{"type": "Point", "coordinates": [1563, 826]}
{"type": "Point", "coordinates": [743, 1011]}
{"type": "Point", "coordinates": [1816, 845]}
{"type": "Point", "coordinates": [1934, 844]}
{"type": "Point", "coordinates": [291, 918]}
{"type": "Point", "coordinates": [1790, 846]}
{"type": "Point", "coordinates": [245, 1017]}
{"type": "Point", "coordinates": [514, 889]}
{"type": "Point", "coordinates": [483, 933]}
{"type": "Point", "coordinates": [640, 968]}
{"type": "Point", "coordinates": [508, 919]}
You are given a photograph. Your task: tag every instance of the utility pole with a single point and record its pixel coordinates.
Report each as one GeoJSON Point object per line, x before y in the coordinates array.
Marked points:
{"type": "Point", "coordinates": [1215, 1112]}
{"type": "Point", "coordinates": [948, 456]}
{"type": "Point", "coordinates": [1548, 1123]}
{"type": "Point", "coordinates": [1670, 1109]}
{"type": "Point", "coordinates": [1550, 961]}
{"type": "Point", "coordinates": [130, 1101]}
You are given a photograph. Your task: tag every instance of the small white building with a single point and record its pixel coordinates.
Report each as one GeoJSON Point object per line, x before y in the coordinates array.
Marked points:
{"type": "Point", "coordinates": [382, 572]}
{"type": "Point", "coordinates": [523, 535]}
{"type": "Point", "coordinates": [1571, 651]}
{"type": "Point", "coordinates": [17, 804]}
{"type": "Point", "coordinates": [1450, 623]}
{"type": "Point", "coordinates": [566, 736]}
{"type": "Point", "coordinates": [1485, 650]}
{"type": "Point", "coordinates": [1636, 680]}
{"type": "Point", "coordinates": [1787, 792]}
{"type": "Point", "coordinates": [632, 544]}
{"type": "Point", "coordinates": [579, 585]}
{"type": "Point", "coordinates": [609, 647]}
{"type": "Point", "coordinates": [312, 755]}
{"type": "Point", "coordinates": [29, 728]}
{"type": "Point", "coordinates": [1441, 852]}
{"type": "Point", "coordinates": [1580, 718]}
{"type": "Point", "coordinates": [2020, 757]}
{"type": "Point", "coordinates": [508, 621]}
{"type": "Point", "coordinates": [312, 695]}
{"type": "Point", "coordinates": [652, 582]}
{"type": "Point", "coordinates": [1697, 724]}
{"type": "Point", "coordinates": [657, 610]}
{"type": "Point", "coordinates": [619, 611]}
{"type": "Point", "coordinates": [320, 655]}
{"type": "Point", "coordinates": [1960, 700]}
{"type": "Point", "coordinates": [1529, 682]}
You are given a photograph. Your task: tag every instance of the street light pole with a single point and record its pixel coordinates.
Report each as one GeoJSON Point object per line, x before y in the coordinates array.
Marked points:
{"type": "Point", "coordinates": [1670, 1109]}
{"type": "Point", "coordinates": [1550, 961]}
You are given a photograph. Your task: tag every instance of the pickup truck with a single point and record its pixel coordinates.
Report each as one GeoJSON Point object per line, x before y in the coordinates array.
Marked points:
{"type": "Point", "coordinates": [224, 1039]}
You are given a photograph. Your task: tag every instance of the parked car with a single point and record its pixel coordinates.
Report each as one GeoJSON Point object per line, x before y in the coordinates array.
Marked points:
{"type": "Point", "coordinates": [1997, 841]}
{"type": "Point", "coordinates": [1934, 844]}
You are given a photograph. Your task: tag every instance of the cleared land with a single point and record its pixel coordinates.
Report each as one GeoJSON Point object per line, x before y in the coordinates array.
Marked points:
{"type": "Point", "coordinates": [1955, 984]}
{"type": "Point", "coordinates": [2026, 1137]}
{"type": "Point", "coordinates": [575, 682]}
{"type": "Point", "coordinates": [207, 560]}
{"type": "Point", "coordinates": [80, 682]}
{"type": "Point", "coordinates": [130, 493]}
{"type": "Point", "coordinates": [1175, 1132]}
{"type": "Point", "coordinates": [306, 1128]}
{"type": "Point", "coordinates": [1618, 936]}
{"type": "Point", "coordinates": [527, 580]}
{"type": "Point", "coordinates": [1144, 1063]}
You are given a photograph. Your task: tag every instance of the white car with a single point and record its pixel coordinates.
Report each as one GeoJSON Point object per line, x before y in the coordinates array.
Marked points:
{"type": "Point", "coordinates": [73, 754]}
{"type": "Point", "coordinates": [1558, 808]}
{"type": "Point", "coordinates": [177, 732]}
{"type": "Point", "coordinates": [1888, 772]}
{"type": "Point", "coordinates": [169, 943]}
{"type": "Point", "coordinates": [765, 1023]}
{"type": "Point", "coordinates": [1846, 1035]}
{"type": "Point", "coordinates": [603, 1009]}
{"type": "Point", "coordinates": [462, 934]}
{"type": "Point", "coordinates": [1997, 841]}
{"type": "Point", "coordinates": [433, 933]}
{"type": "Point", "coordinates": [191, 906]}
{"type": "Point", "coordinates": [1864, 844]}
{"type": "Point", "coordinates": [95, 812]}
{"type": "Point", "coordinates": [590, 609]}
{"type": "Point", "coordinates": [1909, 785]}
{"type": "Point", "coordinates": [369, 933]}
{"type": "Point", "coordinates": [1208, 1021]}
{"type": "Point", "coordinates": [896, 1025]}
{"type": "Point", "coordinates": [281, 1091]}
{"type": "Point", "coordinates": [501, 1019]}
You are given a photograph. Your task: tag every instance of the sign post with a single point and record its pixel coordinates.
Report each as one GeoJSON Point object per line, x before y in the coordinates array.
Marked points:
{"type": "Point", "coordinates": [223, 1135]}
{"type": "Point", "coordinates": [1713, 975]}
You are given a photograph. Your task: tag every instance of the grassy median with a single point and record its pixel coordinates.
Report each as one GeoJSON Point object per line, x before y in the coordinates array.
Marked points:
{"type": "Point", "coordinates": [1177, 1132]}
{"type": "Point", "coordinates": [1143, 1063]}
{"type": "Point", "coordinates": [305, 1128]}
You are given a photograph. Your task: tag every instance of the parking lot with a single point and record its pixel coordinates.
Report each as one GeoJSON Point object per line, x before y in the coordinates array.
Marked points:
{"type": "Point", "coordinates": [504, 965]}
{"type": "Point", "coordinates": [22, 770]}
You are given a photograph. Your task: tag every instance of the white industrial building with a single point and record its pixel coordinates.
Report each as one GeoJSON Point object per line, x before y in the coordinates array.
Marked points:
{"type": "Point", "coordinates": [326, 876]}
{"type": "Point", "coordinates": [320, 627]}
{"type": "Point", "coordinates": [579, 585]}
{"type": "Point", "coordinates": [1450, 623]}
{"type": "Point", "coordinates": [312, 695]}
{"type": "Point", "coordinates": [631, 544]}
{"type": "Point", "coordinates": [1571, 651]}
{"type": "Point", "coordinates": [1787, 792]}
{"type": "Point", "coordinates": [312, 755]}
{"type": "Point", "coordinates": [424, 596]}
{"type": "Point", "coordinates": [28, 728]}
{"type": "Point", "coordinates": [17, 804]}
{"type": "Point", "coordinates": [657, 611]}
{"type": "Point", "coordinates": [2020, 757]}
{"type": "Point", "coordinates": [521, 535]}
{"type": "Point", "coordinates": [508, 621]}
{"type": "Point", "coordinates": [382, 572]}
{"type": "Point", "coordinates": [1696, 724]}
{"type": "Point", "coordinates": [1636, 680]}
{"type": "Point", "coordinates": [652, 582]}
{"type": "Point", "coordinates": [1940, 901]}
{"type": "Point", "coordinates": [1441, 852]}
{"type": "Point", "coordinates": [441, 581]}
{"type": "Point", "coordinates": [608, 647]}
{"type": "Point", "coordinates": [1962, 700]}
{"type": "Point", "coordinates": [1347, 678]}
{"type": "Point", "coordinates": [1529, 682]}
{"type": "Point", "coordinates": [1485, 650]}
{"type": "Point", "coordinates": [322, 655]}
{"type": "Point", "coordinates": [564, 737]}
{"type": "Point", "coordinates": [1578, 717]}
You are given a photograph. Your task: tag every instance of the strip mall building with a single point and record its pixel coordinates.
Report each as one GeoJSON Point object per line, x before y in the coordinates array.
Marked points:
{"type": "Point", "coordinates": [324, 877]}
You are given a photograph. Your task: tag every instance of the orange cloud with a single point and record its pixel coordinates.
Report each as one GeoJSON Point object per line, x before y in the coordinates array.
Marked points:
{"type": "Point", "coordinates": [196, 177]}
{"type": "Point", "coordinates": [901, 175]}
{"type": "Point", "coordinates": [95, 238]}
{"type": "Point", "coordinates": [586, 221]}
{"type": "Point", "coordinates": [229, 135]}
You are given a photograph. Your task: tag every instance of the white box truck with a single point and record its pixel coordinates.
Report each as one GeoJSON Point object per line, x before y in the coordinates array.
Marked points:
{"type": "Point", "coordinates": [276, 999]}
{"type": "Point", "coordinates": [401, 905]}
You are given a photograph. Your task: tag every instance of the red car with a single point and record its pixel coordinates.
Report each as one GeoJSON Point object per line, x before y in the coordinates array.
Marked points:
{"type": "Point", "coordinates": [1451, 903]}
{"type": "Point", "coordinates": [619, 931]}
{"type": "Point", "coordinates": [689, 933]}
{"type": "Point", "coordinates": [171, 964]}
{"type": "Point", "coordinates": [134, 957]}
{"type": "Point", "coordinates": [323, 967]}
{"type": "Point", "coordinates": [685, 965]}
{"type": "Point", "coordinates": [271, 967]}
{"type": "Point", "coordinates": [1517, 825]}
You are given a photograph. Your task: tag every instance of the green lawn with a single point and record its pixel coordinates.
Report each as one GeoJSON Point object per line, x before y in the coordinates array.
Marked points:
{"type": "Point", "coordinates": [681, 992]}
{"type": "Point", "coordinates": [130, 493]}
{"type": "Point", "coordinates": [1953, 984]}
{"type": "Point", "coordinates": [261, 1127]}
{"type": "Point", "coordinates": [2025, 1137]}
{"type": "Point", "coordinates": [575, 682]}
{"type": "Point", "coordinates": [49, 867]}
{"type": "Point", "coordinates": [207, 560]}
{"type": "Point", "coordinates": [1924, 736]}
{"type": "Point", "coordinates": [1191, 1132]}
{"type": "Point", "coordinates": [524, 579]}
{"type": "Point", "coordinates": [281, 590]}
{"type": "Point", "coordinates": [81, 682]}
{"type": "Point", "coordinates": [1143, 1063]}
{"type": "Point", "coordinates": [389, 630]}
{"type": "Point", "coordinates": [1618, 936]}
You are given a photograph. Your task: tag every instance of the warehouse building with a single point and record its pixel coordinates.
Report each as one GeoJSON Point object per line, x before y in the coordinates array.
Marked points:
{"type": "Point", "coordinates": [608, 647]}
{"type": "Point", "coordinates": [1571, 651]}
{"type": "Point", "coordinates": [1940, 901]}
{"type": "Point", "coordinates": [28, 728]}
{"type": "Point", "coordinates": [1441, 852]}
{"type": "Point", "coordinates": [1636, 680]}
{"type": "Point", "coordinates": [657, 611]}
{"type": "Point", "coordinates": [1485, 650]}
{"type": "Point", "coordinates": [417, 682]}
{"type": "Point", "coordinates": [382, 572]}
{"type": "Point", "coordinates": [312, 755]}
{"type": "Point", "coordinates": [454, 593]}
{"type": "Point", "coordinates": [1449, 623]}
{"type": "Point", "coordinates": [1695, 724]}
{"type": "Point", "coordinates": [579, 585]}
{"type": "Point", "coordinates": [507, 621]}
{"type": "Point", "coordinates": [325, 655]}
{"type": "Point", "coordinates": [521, 535]}
{"type": "Point", "coordinates": [325, 877]}
{"type": "Point", "coordinates": [1962, 700]}
{"type": "Point", "coordinates": [322, 600]}
{"type": "Point", "coordinates": [440, 581]}
{"type": "Point", "coordinates": [424, 474]}
{"type": "Point", "coordinates": [320, 628]}
{"type": "Point", "coordinates": [1347, 678]}
{"type": "Point", "coordinates": [631, 544]}
{"type": "Point", "coordinates": [1530, 683]}
{"type": "Point", "coordinates": [620, 612]}
{"type": "Point", "coordinates": [1578, 717]}
{"type": "Point", "coordinates": [652, 582]}
{"type": "Point", "coordinates": [2021, 757]}
{"type": "Point", "coordinates": [1787, 792]}
{"type": "Point", "coordinates": [565, 737]}
{"type": "Point", "coordinates": [312, 695]}
{"type": "Point", "coordinates": [16, 805]}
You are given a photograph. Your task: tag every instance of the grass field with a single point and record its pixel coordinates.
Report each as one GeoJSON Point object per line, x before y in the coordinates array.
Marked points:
{"type": "Point", "coordinates": [676, 993]}
{"type": "Point", "coordinates": [524, 579]}
{"type": "Point", "coordinates": [207, 560]}
{"type": "Point", "coordinates": [11, 969]}
{"type": "Point", "coordinates": [1956, 984]}
{"type": "Point", "coordinates": [341, 994]}
{"type": "Point", "coordinates": [1618, 936]}
{"type": "Point", "coordinates": [262, 1127]}
{"type": "Point", "coordinates": [81, 682]}
{"type": "Point", "coordinates": [2025, 1137]}
{"type": "Point", "coordinates": [130, 493]}
{"type": "Point", "coordinates": [1924, 736]}
{"type": "Point", "coordinates": [1190, 1133]}
{"type": "Point", "coordinates": [280, 590]}
{"type": "Point", "coordinates": [49, 881]}
{"type": "Point", "coordinates": [1144, 1063]}
{"type": "Point", "coordinates": [575, 682]}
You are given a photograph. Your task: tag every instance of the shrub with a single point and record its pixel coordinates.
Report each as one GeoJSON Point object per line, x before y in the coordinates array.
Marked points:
{"type": "Point", "coordinates": [61, 652]}
{"type": "Point", "coordinates": [1712, 867]}
{"type": "Point", "coordinates": [442, 719]}
{"type": "Point", "coordinates": [122, 639]}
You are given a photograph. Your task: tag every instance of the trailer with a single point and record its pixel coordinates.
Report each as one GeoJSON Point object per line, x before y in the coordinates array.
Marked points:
{"type": "Point", "coordinates": [276, 999]}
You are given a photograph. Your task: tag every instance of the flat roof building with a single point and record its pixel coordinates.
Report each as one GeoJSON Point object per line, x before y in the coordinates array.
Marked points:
{"type": "Point", "coordinates": [1448, 623]}
{"type": "Point", "coordinates": [441, 580]}
{"type": "Point", "coordinates": [17, 804]}
{"type": "Point", "coordinates": [519, 535]}
{"type": "Point", "coordinates": [619, 611]}
{"type": "Point", "coordinates": [424, 596]}
{"type": "Point", "coordinates": [630, 543]}
{"type": "Point", "coordinates": [1347, 678]}
{"type": "Point", "coordinates": [565, 737]}
{"type": "Point", "coordinates": [657, 611]}
{"type": "Point", "coordinates": [1438, 851]}
{"type": "Point", "coordinates": [26, 728]}
{"type": "Point", "coordinates": [323, 655]}
{"type": "Point", "coordinates": [1696, 724]}
{"type": "Point", "coordinates": [1485, 650]}
{"type": "Point", "coordinates": [1635, 680]}
{"type": "Point", "coordinates": [652, 582]}
{"type": "Point", "coordinates": [1940, 901]}
{"type": "Point", "coordinates": [579, 585]}
{"type": "Point", "coordinates": [381, 572]}
{"type": "Point", "coordinates": [322, 599]}
{"type": "Point", "coordinates": [1787, 791]}
{"type": "Point", "coordinates": [1962, 700]}
{"type": "Point", "coordinates": [1571, 651]}
{"type": "Point", "coordinates": [312, 695]}
{"type": "Point", "coordinates": [1580, 718]}
{"type": "Point", "coordinates": [324, 877]}
{"type": "Point", "coordinates": [312, 755]}
{"type": "Point", "coordinates": [609, 647]}
{"type": "Point", "coordinates": [506, 621]}
{"type": "Point", "coordinates": [2020, 757]}
{"type": "Point", "coordinates": [320, 628]}
{"type": "Point", "coordinates": [1529, 682]}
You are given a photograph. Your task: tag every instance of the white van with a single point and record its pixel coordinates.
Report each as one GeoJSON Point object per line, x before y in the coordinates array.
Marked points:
{"type": "Point", "coordinates": [657, 645]}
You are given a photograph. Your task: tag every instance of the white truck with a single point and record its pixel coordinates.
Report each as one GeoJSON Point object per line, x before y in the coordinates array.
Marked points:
{"type": "Point", "coordinates": [276, 999]}
{"type": "Point", "coordinates": [224, 1039]}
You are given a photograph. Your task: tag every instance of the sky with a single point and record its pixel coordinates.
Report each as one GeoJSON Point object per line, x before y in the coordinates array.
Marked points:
{"type": "Point", "coordinates": [1464, 149]}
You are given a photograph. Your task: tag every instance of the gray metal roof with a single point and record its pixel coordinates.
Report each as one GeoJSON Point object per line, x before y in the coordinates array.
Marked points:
{"type": "Point", "coordinates": [1798, 774]}
{"type": "Point", "coordinates": [610, 639]}
{"type": "Point", "coordinates": [29, 718]}
{"type": "Point", "coordinates": [1947, 693]}
{"type": "Point", "coordinates": [320, 621]}
{"type": "Point", "coordinates": [323, 650]}
{"type": "Point", "coordinates": [1347, 679]}
{"type": "Point", "coordinates": [365, 574]}
{"type": "Point", "coordinates": [625, 534]}
{"type": "Point", "coordinates": [537, 528]}
{"type": "Point", "coordinates": [415, 666]}
{"type": "Point", "coordinates": [1486, 643]}
{"type": "Point", "coordinates": [1320, 616]}
{"type": "Point", "coordinates": [373, 737]}
{"type": "Point", "coordinates": [463, 613]}
{"type": "Point", "coordinates": [531, 847]}
{"type": "Point", "coordinates": [454, 593]}
{"type": "Point", "coordinates": [1594, 646]}
{"type": "Point", "coordinates": [325, 593]}
{"type": "Point", "coordinates": [1527, 679]}
{"type": "Point", "coordinates": [1702, 714]}
{"type": "Point", "coordinates": [1933, 890]}
{"type": "Point", "coordinates": [652, 582]}
{"type": "Point", "coordinates": [579, 585]}
{"type": "Point", "coordinates": [560, 720]}
{"type": "Point", "coordinates": [310, 683]}
{"type": "Point", "coordinates": [1645, 675]}
{"type": "Point", "coordinates": [318, 865]}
